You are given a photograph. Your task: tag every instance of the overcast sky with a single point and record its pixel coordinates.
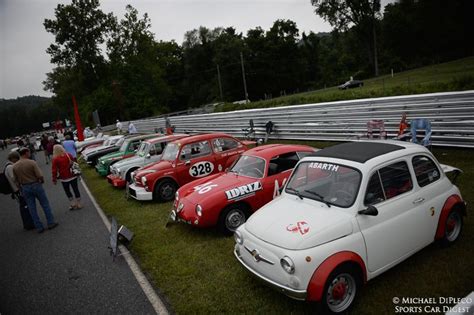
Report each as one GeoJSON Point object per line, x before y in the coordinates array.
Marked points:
{"type": "Point", "coordinates": [23, 39]}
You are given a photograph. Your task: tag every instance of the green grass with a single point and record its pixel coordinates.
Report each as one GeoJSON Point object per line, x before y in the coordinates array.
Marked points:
{"type": "Point", "coordinates": [455, 75]}
{"type": "Point", "coordinates": [196, 271]}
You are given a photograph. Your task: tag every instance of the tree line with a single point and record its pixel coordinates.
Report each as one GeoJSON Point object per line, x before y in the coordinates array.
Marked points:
{"type": "Point", "coordinates": [119, 68]}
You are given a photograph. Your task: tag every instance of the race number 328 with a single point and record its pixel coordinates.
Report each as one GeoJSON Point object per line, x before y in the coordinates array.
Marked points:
{"type": "Point", "coordinates": [201, 169]}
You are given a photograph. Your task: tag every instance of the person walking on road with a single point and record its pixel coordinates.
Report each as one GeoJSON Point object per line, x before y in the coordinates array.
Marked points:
{"type": "Point", "coordinates": [30, 179]}
{"type": "Point", "coordinates": [14, 157]}
{"type": "Point", "coordinates": [44, 145]}
{"type": "Point", "coordinates": [49, 148]}
{"type": "Point", "coordinates": [70, 147]}
{"type": "Point", "coordinates": [131, 128]}
{"type": "Point", "coordinates": [61, 168]}
{"type": "Point", "coordinates": [119, 127]}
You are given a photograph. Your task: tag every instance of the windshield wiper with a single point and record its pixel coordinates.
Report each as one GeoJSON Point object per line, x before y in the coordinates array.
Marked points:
{"type": "Point", "coordinates": [321, 198]}
{"type": "Point", "coordinates": [297, 192]}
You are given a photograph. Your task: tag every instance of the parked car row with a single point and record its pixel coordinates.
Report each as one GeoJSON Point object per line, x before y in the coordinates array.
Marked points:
{"type": "Point", "coordinates": [328, 220]}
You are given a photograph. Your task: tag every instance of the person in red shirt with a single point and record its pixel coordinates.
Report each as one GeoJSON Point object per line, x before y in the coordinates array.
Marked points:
{"type": "Point", "coordinates": [61, 167]}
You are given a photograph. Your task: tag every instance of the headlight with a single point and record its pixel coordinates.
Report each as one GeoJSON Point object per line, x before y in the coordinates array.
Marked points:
{"type": "Point", "coordinates": [176, 196]}
{"type": "Point", "coordinates": [238, 238]}
{"type": "Point", "coordinates": [287, 264]}
{"type": "Point", "coordinates": [144, 181]}
{"type": "Point", "coordinates": [102, 162]}
{"type": "Point", "coordinates": [199, 210]}
{"type": "Point", "coordinates": [117, 170]}
{"type": "Point", "coordinates": [180, 207]}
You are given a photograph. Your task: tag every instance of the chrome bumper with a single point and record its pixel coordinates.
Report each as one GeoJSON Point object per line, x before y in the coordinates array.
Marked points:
{"type": "Point", "coordinates": [292, 293]}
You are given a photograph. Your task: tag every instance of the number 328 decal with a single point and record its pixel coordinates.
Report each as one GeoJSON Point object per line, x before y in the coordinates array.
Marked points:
{"type": "Point", "coordinates": [201, 169]}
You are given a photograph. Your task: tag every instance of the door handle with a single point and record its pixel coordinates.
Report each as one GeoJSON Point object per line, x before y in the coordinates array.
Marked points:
{"type": "Point", "coordinates": [187, 162]}
{"type": "Point", "coordinates": [419, 200]}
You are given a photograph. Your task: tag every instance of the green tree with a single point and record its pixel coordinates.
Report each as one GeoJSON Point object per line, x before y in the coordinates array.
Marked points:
{"type": "Point", "coordinates": [361, 14]}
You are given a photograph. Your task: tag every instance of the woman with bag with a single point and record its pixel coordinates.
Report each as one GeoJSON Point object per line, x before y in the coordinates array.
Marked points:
{"type": "Point", "coordinates": [62, 167]}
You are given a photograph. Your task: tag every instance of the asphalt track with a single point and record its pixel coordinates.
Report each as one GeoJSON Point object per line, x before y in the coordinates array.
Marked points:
{"type": "Point", "coordinates": [65, 270]}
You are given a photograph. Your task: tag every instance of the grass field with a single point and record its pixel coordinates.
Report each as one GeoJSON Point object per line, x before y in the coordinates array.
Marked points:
{"type": "Point", "coordinates": [196, 271]}
{"type": "Point", "coordinates": [455, 75]}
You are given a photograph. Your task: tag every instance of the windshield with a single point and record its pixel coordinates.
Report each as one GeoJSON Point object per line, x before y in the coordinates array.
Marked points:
{"type": "Point", "coordinates": [171, 152]}
{"type": "Point", "coordinates": [250, 166]}
{"type": "Point", "coordinates": [106, 143]}
{"type": "Point", "coordinates": [333, 184]}
{"type": "Point", "coordinates": [143, 149]}
{"type": "Point", "coordinates": [124, 146]}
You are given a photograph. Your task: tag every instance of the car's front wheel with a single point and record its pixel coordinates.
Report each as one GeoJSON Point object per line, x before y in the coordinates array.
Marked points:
{"type": "Point", "coordinates": [453, 227]}
{"type": "Point", "coordinates": [231, 218]}
{"type": "Point", "coordinates": [341, 289]}
{"type": "Point", "coordinates": [165, 190]}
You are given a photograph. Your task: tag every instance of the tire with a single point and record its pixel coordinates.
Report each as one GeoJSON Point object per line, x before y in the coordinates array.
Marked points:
{"type": "Point", "coordinates": [232, 217]}
{"type": "Point", "coordinates": [452, 228]}
{"type": "Point", "coordinates": [165, 190]}
{"type": "Point", "coordinates": [341, 290]}
{"type": "Point", "coordinates": [128, 176]}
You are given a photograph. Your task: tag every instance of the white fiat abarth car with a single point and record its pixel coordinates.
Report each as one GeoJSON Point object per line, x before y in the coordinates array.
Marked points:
{"type": "Point", "coordinates": [347, 214]}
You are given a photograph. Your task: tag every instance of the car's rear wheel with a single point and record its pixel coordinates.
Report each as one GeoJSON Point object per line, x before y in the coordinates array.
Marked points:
{"type": "Point", "coordinates": [452, 227]}
{"type": "Point", "coordinates": [232, 217]}
{"type": "Point", "coordinates": [165, 190]}
{"type": "Point", "coordinates": [341, 289]}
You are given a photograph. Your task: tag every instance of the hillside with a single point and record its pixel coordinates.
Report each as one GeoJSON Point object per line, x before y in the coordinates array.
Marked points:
{"type": "Point", "coordinates": [457, 75]}
{"type": "Point", "coordinates": [31, 101]}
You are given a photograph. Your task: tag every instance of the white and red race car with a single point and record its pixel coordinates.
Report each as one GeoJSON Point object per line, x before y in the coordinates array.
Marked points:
{"type": "Point", "coordinates": [347, 214]}
{"type": "Point", "coordinates": [228, 199]}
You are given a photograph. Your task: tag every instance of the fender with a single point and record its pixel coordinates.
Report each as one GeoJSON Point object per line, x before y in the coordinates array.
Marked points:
{"type": "Point", "coordinates": [159, 178]}
{"type": "Point", "coordinates": [451, 202]}
{"type": "Point", "coordinates": [318, 280]}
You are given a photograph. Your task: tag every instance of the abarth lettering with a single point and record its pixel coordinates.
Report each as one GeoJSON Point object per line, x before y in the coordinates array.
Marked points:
{"type": "Point", "coordinates": [324, 166]}
{"type": "Point", "coordinates": [243, 191]}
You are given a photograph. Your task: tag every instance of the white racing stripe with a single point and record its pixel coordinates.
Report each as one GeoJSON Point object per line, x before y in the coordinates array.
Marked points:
{"type": "Point", "coordinates": [150, 293]}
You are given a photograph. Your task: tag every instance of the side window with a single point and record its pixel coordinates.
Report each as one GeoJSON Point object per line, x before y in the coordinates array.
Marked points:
{"type": "Point", "coordinates": [195, 150]}
{"type": "Point", "coordinates": [374, 193]}
{"type": "Point", "coordinates": [157, 148]}
{"type": "Point", "coordinates": [396, 179]}
{"type": "Point", "coordinates": [303, 154]}
{"type": "Point", "coordinates": [134, 145]}
{"type": "Point", "coordinates": [426, 171]}
{"type": "Point", "coordinates": [224, 144]}
{"type": "Point", "coordinates": [282, 163]}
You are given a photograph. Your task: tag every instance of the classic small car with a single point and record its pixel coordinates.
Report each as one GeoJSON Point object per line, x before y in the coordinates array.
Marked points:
{"type": "Point", "coordinates": [183, 161]}
{"type": "Point", "coordinates": [347, 214]}
{"type": "Point", "coordinates": [228, 199]}
{"type": "Point", "coordinates": [92, 153]}
{"type": "Point", "coordinates": [128, 149]}
{"type": "Point", "coordinates": [149, 152]}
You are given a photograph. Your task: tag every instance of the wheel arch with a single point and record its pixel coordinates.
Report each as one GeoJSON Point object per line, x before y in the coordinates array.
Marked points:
{"type": "Point", "coordinates": [162, 178]}
{"type": "Point", "coordinates": [321, 274]}
{"type": "Point", "coordinates": [453, 202]}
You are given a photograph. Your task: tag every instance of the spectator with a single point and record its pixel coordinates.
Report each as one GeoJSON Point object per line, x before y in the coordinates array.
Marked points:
{"type": "Point", "coordinates": [119, 127]}
{"type": "Point", "coordinates": [31, 147]}
{"type": "Point", "coordinates": [30, 178]}
{"type": "Point", "coordinates": [14, 157]}
{"type": "Point", "coordinates": [2, 144]}
{"type": "Point", "coordinates": [49, 148]}
{"type": "Point", "coordinates": [131, 128]}
{"type": "Point", "coordinates": [61, 167]}
{"type": "Point", "coordinates": [70, 147]}
{"type": "Point", "coordinates": [44, 145]}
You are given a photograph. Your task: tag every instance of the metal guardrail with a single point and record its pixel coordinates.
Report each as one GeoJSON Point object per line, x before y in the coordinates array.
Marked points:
{"type": "Point", "coordinates": [451, 115]}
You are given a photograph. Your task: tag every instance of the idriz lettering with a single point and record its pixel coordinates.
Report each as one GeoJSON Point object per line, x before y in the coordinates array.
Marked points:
{"type": "Point", "coordinates": [300, 227]}
{"type": "Point", "coordinates": [243, 191]}
{"type": "Point", "coordinates": [324, 166]}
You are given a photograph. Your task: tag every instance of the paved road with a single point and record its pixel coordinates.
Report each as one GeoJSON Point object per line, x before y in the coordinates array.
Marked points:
{"type": "Point", "coordinates": [65, 270]}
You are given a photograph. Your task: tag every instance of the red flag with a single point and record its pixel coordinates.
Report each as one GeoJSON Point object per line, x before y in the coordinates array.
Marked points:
{"type": "Point", "coordinates": [77, 118]}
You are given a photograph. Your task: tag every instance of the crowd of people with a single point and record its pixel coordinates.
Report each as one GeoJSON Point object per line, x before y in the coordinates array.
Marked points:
{"type": "Point", "coordinates": [26, 179]}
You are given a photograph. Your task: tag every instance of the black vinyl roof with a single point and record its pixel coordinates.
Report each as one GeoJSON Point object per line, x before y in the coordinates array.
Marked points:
{"type": "Point", "coordinates": [358, 151]}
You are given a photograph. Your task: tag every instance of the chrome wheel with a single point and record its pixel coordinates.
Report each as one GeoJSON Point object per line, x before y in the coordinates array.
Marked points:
{"type": "Point", "coordinates": [341, 292]}
{"type": "Point", "coordinates": [234, 219]}
{"type": "Point", "coordinates": [453, 226]}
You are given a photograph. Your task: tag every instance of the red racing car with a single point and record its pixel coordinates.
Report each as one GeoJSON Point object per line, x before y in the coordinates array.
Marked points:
{"type": "Point", "coordinates": [228, 199]}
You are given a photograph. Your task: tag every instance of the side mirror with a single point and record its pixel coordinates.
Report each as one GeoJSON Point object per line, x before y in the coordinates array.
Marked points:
{"type": "Point", "coordinates": [148, 156]}
{"type": "Point", "coordinates": [371, 210]}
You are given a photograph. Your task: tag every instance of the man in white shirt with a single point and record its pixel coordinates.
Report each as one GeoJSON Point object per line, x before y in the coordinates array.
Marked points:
{"type": "Point", "coordinates": [119, 127]}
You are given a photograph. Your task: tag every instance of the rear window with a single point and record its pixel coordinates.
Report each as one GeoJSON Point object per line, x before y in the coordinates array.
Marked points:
{"type": "Point", "coordinates": [426, 171]}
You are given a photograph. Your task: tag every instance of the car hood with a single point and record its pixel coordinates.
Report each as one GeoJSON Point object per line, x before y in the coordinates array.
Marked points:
{"type": "Point", "coordinates": [100, 148]}
{"type": "Point", "coordinates": [296, 224]}
{"type": "Point", "coordinates": [225, 182]}
{"type": "Point", "coordinates": [154, 167]}
{"type": "Point", "coordinates": [134, 160]}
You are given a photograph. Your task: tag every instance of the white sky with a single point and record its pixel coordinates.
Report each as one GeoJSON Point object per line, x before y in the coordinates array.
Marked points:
{"type": "Point", "coordinates": [23, 39]}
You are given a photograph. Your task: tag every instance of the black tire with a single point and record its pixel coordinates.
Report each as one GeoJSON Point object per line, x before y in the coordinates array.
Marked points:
{"type": "Point", "coordinates": [341, 289]}
{"type": "Point", "coordinates": [165, 190]}
{"type": "Point", "coordinates": [232, 217]}
{"type": "Point", "coordinates": [128, 176]}
{"type": "Point", "coordinates": [452, 228]}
